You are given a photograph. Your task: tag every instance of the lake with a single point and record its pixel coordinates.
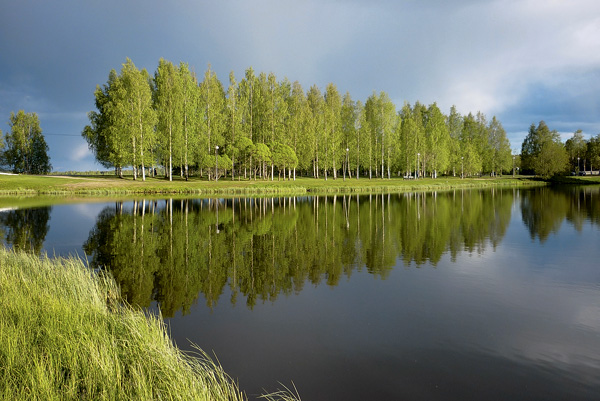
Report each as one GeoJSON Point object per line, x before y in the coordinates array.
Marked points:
{"type": "Point", "coordinates": [458, 295]}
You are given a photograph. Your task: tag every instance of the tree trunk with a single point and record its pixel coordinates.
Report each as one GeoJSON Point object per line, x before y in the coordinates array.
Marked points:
{"type": "Point", "coordinates": [170, 173]}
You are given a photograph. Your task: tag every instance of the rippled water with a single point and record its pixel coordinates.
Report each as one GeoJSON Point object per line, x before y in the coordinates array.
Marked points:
{"type": "Point", "coordinates": [482, 294]}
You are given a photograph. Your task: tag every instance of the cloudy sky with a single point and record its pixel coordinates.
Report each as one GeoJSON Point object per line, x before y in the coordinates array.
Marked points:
{"type": "Point", "coordinates": [520, 60]}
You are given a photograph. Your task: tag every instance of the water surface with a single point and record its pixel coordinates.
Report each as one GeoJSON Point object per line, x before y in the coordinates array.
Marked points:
{"type": "Point", "coordinates": [482, 294]}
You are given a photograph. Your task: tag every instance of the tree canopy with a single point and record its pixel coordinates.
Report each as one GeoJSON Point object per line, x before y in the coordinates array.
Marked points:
{"type": "Point", "coordinates": [263, 124]}
{"type": "Point", "coordinates": [26, 151]}
{"type": "Point", "coordinates": [542, 152]}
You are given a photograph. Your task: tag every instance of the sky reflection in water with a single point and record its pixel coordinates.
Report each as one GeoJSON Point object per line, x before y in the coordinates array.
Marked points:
{"type": "Point", "coordinates": [458, 295]}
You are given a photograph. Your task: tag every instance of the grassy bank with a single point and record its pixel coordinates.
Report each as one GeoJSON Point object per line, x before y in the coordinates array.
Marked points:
{"type": "Point", "coordinates": [576, 180]}
{"type": "Point", "coordinates": [66, 335]}
{"type": "Point", "coordinates": [107, 185]}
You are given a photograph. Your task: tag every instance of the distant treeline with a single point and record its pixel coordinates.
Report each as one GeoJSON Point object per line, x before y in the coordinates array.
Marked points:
{"type": "Point", "coordinates": [260, 127]}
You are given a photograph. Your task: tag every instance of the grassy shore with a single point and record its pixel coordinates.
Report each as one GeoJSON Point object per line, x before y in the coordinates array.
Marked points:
{"type": "Point", "coordinates": [65, 334]}
{"type": "Point", "coordinates": [576, 180]}
{"type": "Point", "coordinates": [107, 185]}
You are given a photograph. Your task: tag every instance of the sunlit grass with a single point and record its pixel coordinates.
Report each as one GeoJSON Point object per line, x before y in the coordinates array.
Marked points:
{"type": "Point", "coordinates": [110, 185]}
{"type": "Point", "coordinates": [65, 334]}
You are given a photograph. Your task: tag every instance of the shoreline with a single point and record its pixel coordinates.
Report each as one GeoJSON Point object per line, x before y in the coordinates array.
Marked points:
{"type": "Point", "coordinates": [105, 186]}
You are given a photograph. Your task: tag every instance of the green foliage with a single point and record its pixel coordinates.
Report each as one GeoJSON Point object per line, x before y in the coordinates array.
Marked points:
{"type": "Point", "coordinates": [298, 123]}
{"type": "Point", "coordinates": [593, 152]}
{"type": "Point", "coordinates": [262, 157]}
{"type": "Point", "coordinates": [437, 139]}
{"type": "Point", "coordinates": [189, 119]}
{"type": "Point", "coordinates": [576, 147]}
{"type": "Point", "coordinates": [97, 134]}
{"type": "Point", "coordinates": [174, 251]}
{"type": "Point", "coordinates": [212, 115]}
{"type": "Point", "coordinates": [332, 134]}
{"type": "Point", "coordinates": [455, 128]}
{"type": "Point", "coordinates": [26, 228]}
{"type": "Point", "coordinates": [26, 149]}
{"type": "Point", "coordinates": [109, 184]}
{"type": "Point", "coordinates": [283, 157]}
{"type": "Point", "coordinates": [66, 335]}
{"type": "Point", "coordinates": [168, 103]}
{"type": "Point", "coordinates": [2, 144]}
{"type": "Point", "coordinates": [315, 127]}
{"type": "Point", "coordinates": [542, 152]}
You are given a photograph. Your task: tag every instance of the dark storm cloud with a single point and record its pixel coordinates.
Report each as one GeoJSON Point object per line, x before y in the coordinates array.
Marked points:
{"type": "Point", "coordinates": [521, 60]}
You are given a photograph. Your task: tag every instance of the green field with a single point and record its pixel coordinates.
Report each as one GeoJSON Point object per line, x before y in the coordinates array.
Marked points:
{"type": "Point", "coordinates": [107, 185]}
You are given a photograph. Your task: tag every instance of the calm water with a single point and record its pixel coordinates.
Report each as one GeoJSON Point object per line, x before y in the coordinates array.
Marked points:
{"type": "Point", "coordinates": [463, 295]}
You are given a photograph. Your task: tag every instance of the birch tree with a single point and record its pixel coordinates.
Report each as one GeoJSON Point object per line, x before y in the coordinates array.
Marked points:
{"type": "Point", "coordinates": [189, 116]}
{"type": "Point", "coordinates": [297, 128]}
{"type": "Point", "coordinates": [212, 98]}
{"type": "Point", "coordinates": [333, 129]}
{"type": "Point", "coordinates": [348, 117]}
{"type": "Point", "coordinates": [437, 139]}
{"type": "Point", "coordinates": [455, 125]}
{"type": "Point", "coordinates": [316, 125]}
{"type": "Point", "coordinates": [234, 120]}
{"type": "Point", "coordinates": [168, 105]}
{"type": "Point", "coordinates": [137, 114]}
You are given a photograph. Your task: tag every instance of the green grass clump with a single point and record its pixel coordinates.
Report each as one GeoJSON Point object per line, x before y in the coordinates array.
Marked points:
{"type": "Point", "coordinates": [65, 334]}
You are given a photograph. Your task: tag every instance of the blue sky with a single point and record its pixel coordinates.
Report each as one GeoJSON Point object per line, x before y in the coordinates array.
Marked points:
{"type": "Point", "coordinates": [520, 60]}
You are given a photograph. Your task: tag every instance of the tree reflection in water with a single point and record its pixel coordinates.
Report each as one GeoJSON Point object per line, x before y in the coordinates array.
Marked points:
{"type": "Point", "coordinates": [544, 209]}
{"type": "Point", "coordinates": [25, 229]}
{"type": "Point", "coordinates": [170, 251]}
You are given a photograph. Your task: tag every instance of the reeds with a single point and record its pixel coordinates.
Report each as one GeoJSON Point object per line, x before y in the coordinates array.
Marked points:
{"type": "Point", "coordinates": [65, 334]}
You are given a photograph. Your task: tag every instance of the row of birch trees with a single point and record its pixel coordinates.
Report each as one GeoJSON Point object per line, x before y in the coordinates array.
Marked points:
{"type": "Point", "coordinates": [260, 127]}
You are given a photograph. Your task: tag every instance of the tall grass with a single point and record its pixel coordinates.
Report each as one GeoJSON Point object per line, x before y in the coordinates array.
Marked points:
{"type": "Point", "coordinates": [65, 334]}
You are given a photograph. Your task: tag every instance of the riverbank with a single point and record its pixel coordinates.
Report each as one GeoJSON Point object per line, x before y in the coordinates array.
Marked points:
{"type": "Point", "coordinates": [110, 185]}
{"type": "Point", "coordinates": [65, 334]}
